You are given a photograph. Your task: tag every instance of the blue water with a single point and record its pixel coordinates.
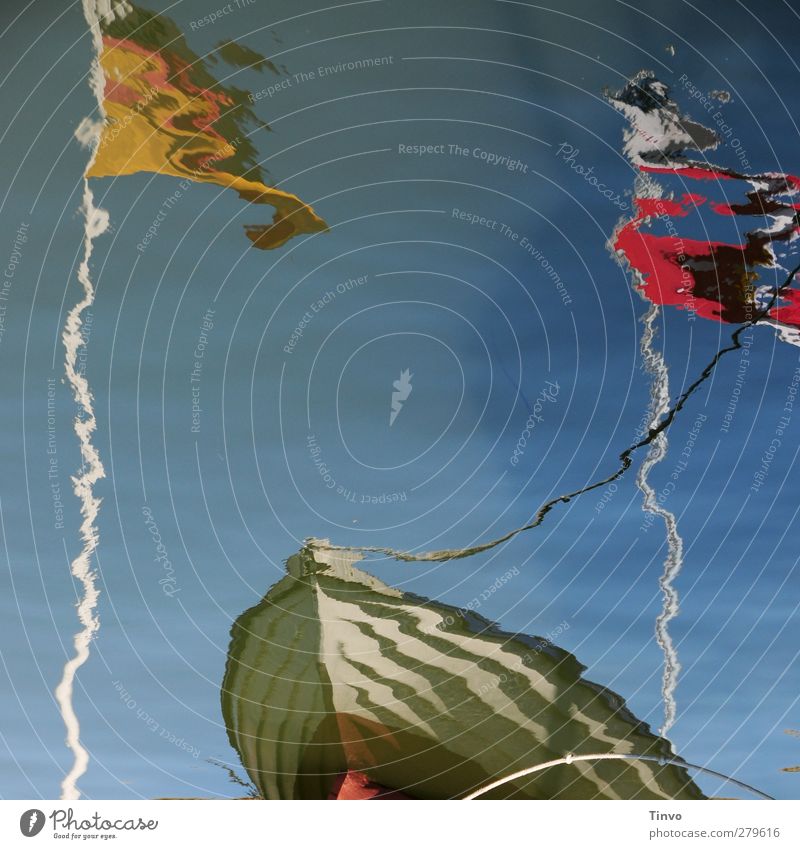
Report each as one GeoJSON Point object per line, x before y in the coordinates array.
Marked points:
{"type": "Point", "coordinates": [478, 321]}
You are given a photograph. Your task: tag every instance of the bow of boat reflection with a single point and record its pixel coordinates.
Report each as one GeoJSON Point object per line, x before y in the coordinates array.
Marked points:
{"type": "Point", "coordinates": [340, 686]}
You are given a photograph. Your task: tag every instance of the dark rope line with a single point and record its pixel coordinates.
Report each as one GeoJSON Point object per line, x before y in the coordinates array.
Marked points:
{"type": "Point", "coordinates": [625, 457]}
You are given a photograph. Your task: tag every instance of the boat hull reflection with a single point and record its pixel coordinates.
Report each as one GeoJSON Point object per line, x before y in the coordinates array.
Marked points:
{"type": "Point", "coordinates": [334, 673]}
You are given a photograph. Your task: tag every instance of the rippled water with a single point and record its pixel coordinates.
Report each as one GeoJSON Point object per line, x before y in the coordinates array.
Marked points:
{"type": "Point", "coordinates": [399, 396]}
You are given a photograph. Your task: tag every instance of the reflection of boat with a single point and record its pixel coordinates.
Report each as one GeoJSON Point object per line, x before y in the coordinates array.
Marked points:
{"type": "Point", "coordinates": [335, 674]}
